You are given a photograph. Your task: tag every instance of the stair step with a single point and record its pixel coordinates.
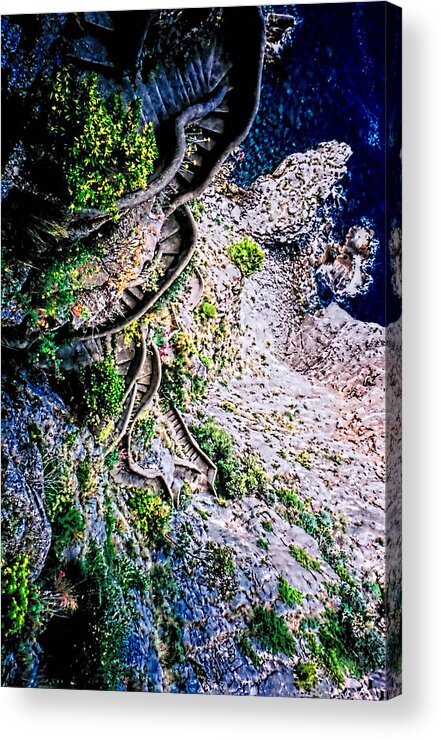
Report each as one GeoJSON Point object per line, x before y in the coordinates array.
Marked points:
{"type": "Point", "coordinates": [167, 93]}
{"type": "Point", "coordinates": [169, 227]}
{"type": "Point", "coordinates": [207, 144]}
{"type": "Point", "coordinates": [168, 259]}
{"type": "Point", "coordinates": [136, 292]}
{"type": "Point", "coordinates": [90, 63]}
{"type": "Point", "coordinates": [145, 380]}
{"type": "Point", "coordinates": [209, 64]}
{"type": "Point", "coordinates": [198, 84]}
{"type": "Point", "coordinates": [148, 109]}
{"type": "Point", "coordinates": [190, 81]}
{"type": "Point", "coordinates": [124, 367]}
{"type": "Point", "coordinates": [220, 69]}
{"type": "Point", "coordinates": [181, 87]}
{"type": "Point", "coordinates": [90, 52]}
{"type": "Point", "coordinates": [200, 71]}
{"type": "Point", "coordinates": [172, 244]}
{"type": "Point", "coordinates": [213, 123]}
{"type": "Point", "coordinates": [101, 21]}
{"type": "Point", "coordinates": [157, 101]}
{"type": "Point", "coordinates": [196, 159]}
{"type": "Point", "coordinates": [128, 299]}
{"type": "Point", "coordinates": [223, 107]}
{"type": "Point", "coordinates": [185, 174]}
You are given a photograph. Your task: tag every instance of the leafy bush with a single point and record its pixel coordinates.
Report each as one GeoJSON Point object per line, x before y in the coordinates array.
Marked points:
{"type": "Point", "coordinates": [97, 142]}
{"type": "Point", "coordinates": [347, 634]}
{"type": "Point", "coordinates": [247, 256]}
{"type": "Point", "coordinates": [67, 521]}
{"type": "Point", "coordinates": [15, 596]}
{"type": "Point", "coordinates": [207, 310]}
{"type": "Point", "coordinates": [291, 596]}
{"type": "Point", "coordinates": [152, 515]}
{"type": "Point", "coordinates": [272, 631]}
{"type": "Point", "coordinates": [238, 475]}
{"type": "Point", "coordinates": [197, 208]}
{"type": "Point", "coordinates": [221, 569]}
{"type": "Point", "coordinates": [103, 390]}
{"type": "Point", "coordinates": [146, 427]}
{"type": "Point", "coordinates": [304, 558]}
{"type": "Point", "coordinates": [306, 675]}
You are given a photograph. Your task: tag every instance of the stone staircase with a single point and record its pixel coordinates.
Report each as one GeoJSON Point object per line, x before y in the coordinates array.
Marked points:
{"type": "Point", "coordinates": [200, 109]}
{"type": "Point", "coordinates": [174, 250]}
{"type": "Point", "coordinates": [191, 462]}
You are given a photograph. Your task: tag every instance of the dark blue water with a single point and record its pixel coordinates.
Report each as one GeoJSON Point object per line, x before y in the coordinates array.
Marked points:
{"type": "Point", "coordinates": [331, 84]}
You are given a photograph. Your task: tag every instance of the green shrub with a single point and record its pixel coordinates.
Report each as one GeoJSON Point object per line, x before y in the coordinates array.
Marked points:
{"type": "Point", "coordinates": [304, 558]}
{"type": "Point", "coordinates": [238, 475]}
{"type": "Point", "coordinates": [197, 208]}
{"type": "Point", "coordinates": [146, 427]}
{"type": "Point", "coordinates": [207, 310]}
{"type": "Point", "coordinates": [247, 256]}
{"type": "Point", "coordinates": [221, 569]}
{"type": "Point", "coordinates": [15, 596]}
{"type": "Point", "coordinates": [291, 596]}
{"type": "Point", "coordinates": [67, 520]}
{"type": "Point", "coordinates": [263, 544]}
{"type": "Point", "coordinates": [248, 651]}
{"type": "Point", "coordinates": [347, 634]}
{"type": "Point", "coordinates": [272, 631]}
{"type": "Point", "coordinates": [151, 514]}
{"type": "Point", "coordinates": [98, 143]}
{"type": "Point", "coordinates": [103, 390]}
{"type": "Point", "coordinates": [306, 675]}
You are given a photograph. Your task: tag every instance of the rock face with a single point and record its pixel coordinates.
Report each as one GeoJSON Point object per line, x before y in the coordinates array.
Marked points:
{"type": "Point", "coordinates": [33, 412]}
{"type": "Point", "coordinates": [294, 208]}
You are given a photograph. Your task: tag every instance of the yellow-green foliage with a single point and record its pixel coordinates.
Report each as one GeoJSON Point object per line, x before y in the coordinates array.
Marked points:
{"type": "Point", "coordinates": [304, 558]}
{"type": "Point", "coordinates": [306, 675]}
{"type": "Point", "coordinates": [98, 143]}
{"type": "Point", "coordinates": [15, 596]}
{"type": "Point", "coordinates": [151, 513]}
{"type": "Point", "coordinates": [247, 256]}
{"type": "Point", "coordinates": [103, 390]}
{"type": "Point", "coordinates": [291, 596]}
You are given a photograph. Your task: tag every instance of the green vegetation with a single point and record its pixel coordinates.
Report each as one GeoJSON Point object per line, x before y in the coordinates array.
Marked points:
{"type": "Point", "coordinates": [263, 544]}
{"type": "Point", "coordinates": [289, 595]}
{"type": "Point", "coordinates": [168, 621]}
{"type": "Point", "coordinates": [151, 514]}
{"type": "Point", "coordinates": [55, 289]}
{"type": "Point", "coordinates": [145, 428]}
{"type": "Point", "coordinates": [97, 143]}
{"type": "Point", "coordinates": [20, 598]}
{"type": "Point", "coordinates": [238, 474]}
{"type": "Point", "coordinates": [103, 390]}
{"type": "Point", "coordinates": [247, 256]}
{"type": "Point", "coordinates": [304, 558]}
{"type": "Point", "coordinates": [197, 208]}
{"type": "Point", "coordinates": [306, 675]}
{"type": "Point", "coordinates": [272, 631]}
{"type": "Point", "coordinates": [267, 526]}
{"type": "Point", "coordinates": [304, 459]}
{"type": "Point", "coordinates": [67, 520]}
{"type": "Point", "coordinates": [221, 569]}
{"type": "Point", "coordinates": [248, 651]}
{"type": "Point", "coordinates": [175, 375]}
{"type": "Point", "coordinates": [207, 311]}
{"type": "Point", "coordinates": [347, 635]}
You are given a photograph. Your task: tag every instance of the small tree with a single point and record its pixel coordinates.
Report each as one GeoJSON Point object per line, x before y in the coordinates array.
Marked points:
{"type": "Point", "coordinates": [247, 256]}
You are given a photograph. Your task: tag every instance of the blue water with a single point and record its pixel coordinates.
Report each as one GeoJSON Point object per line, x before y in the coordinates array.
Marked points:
{"type": "Point", "coordinates": [331, 85]}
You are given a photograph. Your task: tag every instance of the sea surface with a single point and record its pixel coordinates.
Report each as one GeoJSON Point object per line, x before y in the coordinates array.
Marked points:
{"type": "Point", "coordinates": [331, 83]}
